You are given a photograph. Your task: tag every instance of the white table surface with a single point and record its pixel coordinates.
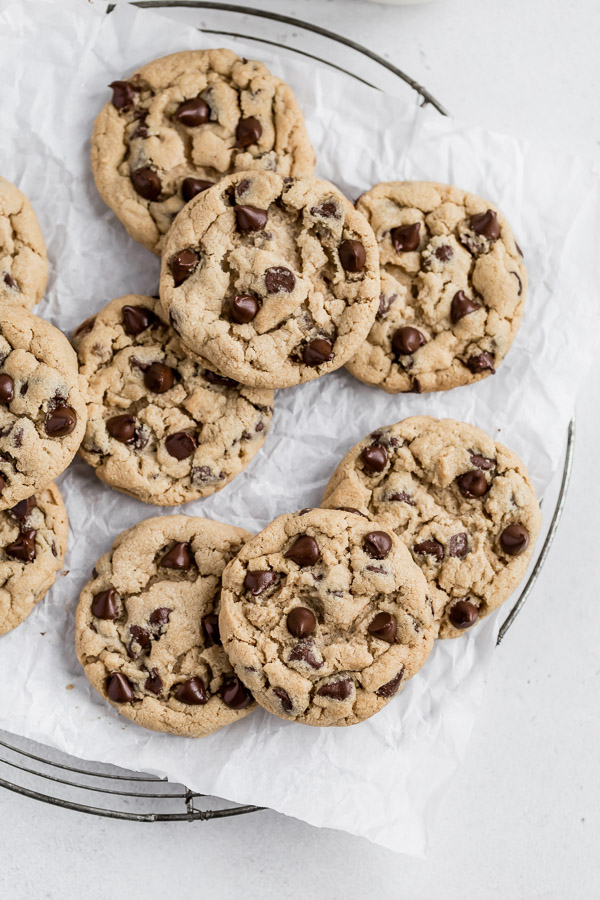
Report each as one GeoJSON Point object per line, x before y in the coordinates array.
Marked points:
{"type": "Point", "coordinates": [522, 819]}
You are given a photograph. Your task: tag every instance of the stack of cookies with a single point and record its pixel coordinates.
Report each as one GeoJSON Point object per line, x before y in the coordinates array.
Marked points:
{"type": "Point", "coordinates": [270, 278]}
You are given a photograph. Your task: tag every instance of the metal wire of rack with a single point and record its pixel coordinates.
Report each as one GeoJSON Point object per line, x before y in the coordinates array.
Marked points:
{"type": "Point", "coordinates": [42, 770]}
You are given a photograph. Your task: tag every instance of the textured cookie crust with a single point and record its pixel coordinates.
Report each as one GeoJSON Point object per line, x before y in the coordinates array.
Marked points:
{"type": "Point", "coordinates": [178, 444]}
{"type": "Point", "coordinates": [297, 620]}
{"type": "Point", "coordinates": [42, 411]}
{"type": "Point", "coordinates": [33, 542]}
{"type": "Point", "coordinates": [273, 280]}
{"type": "Point", "coordinates": [453, 288]}
{"type": "Point", "coordinates": [237, 117]}
{"type": "Point", "coordinates": [146, 628]}
{"type": "Point", "coordinates": [449, 491]}
{"type": "Point", "coordinates": [23, 260]}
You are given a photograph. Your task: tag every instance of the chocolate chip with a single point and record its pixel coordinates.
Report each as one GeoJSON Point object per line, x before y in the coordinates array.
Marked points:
{"type": "Point", "coordinates": [304, 651]}
{"type": "Point", "coordinates": [301, 622]}
{"type": "Point", "coordinates": [444, 252]}
{"type": "Point", "coordinates": [304, 551]}
{"type": "Point", "coordinates": [250, 218]}
{"type": "Point", "coordinates": [377, 544]}
{"type": "Point", "coordinates": [486, 224]}
{"type": "Point", "coordinates": [215, 378]}
{"type": "Point", "coordinates": [407, 340]}
{"type": "Point", "coordinates": [375, 457]}
{"type": "Point", "coordinates": [235, 695]}
{"type": "Point", "coordinates": [352, 256]}
{"type": "Point", "coordinates": [463, 614]}
{"type": "Point", "coordinates": [123, 94]}
{"type": "Point", "coordinates": [105, 605]}
{"type": "Point", "coordinates": [430, 548]}
{"type": "Point", "coordinates": [247, 132]}
{"type": "Point", "coordinates": [462, 306]}
{"type": "Point", "coordinates": [519, 251]}
{"type": "Point", "coordinates": [22, 509]}
{"type": "Point", "coordinates": [159, 378]}
{"type": "Point", "coordinates": [192, 692]}
{"type": "Point", "coordinates": [317, 352]}
{"type": "Point", "coordinates": [257, 582]}
{"type": "Point", "coordinates": [352, 510]}
{"type": "Point", "coordinates": [160, 616]}
{"type": "Point", "coordinates": [119, 688]}
{"type": "Point", "coordinates": [60, 422]}
{"type": "Point", "coordinates": [180, 445]}
{"type": "Point", "coordinates": [383, 627]}
{"type": "Point", "coordinates": [24, 388]}
{"type": "Point", "coordinates": [405, 238]}
{"type": "Point", "coordinates": [336, 690]}
{"type": "Point", "coordinates": [480, 363]}
{"type": "Point", "coordinates": [9, 282]}
{"type": "Point", "coordinates": [180, 556]}
{"type": "Point", "coordinates": [514, 540]}
{"type": "Point", "coordinates": [518, 277]}
{"type": "Point", "coordinates": [7, 389]}
{"type": "Point", "coordinates": [146, 183]}
{"type": "Point", "coordinates": [122, 428]}
{"type": "Point", "coordinates": [482, 462]}
{"type": "Point", "coordinates": [2, 482]}
{"type": "Point", "coordinates": [84, 328]}
{"type": "Point", "coordinates": [416, 386]}
{"type": "Point", "coordinates": [472, 484]}
{"type": "Point", "coordinates": [243, 308]}
{"type": "Point", "coordinates": [205, 475]}
{"type": "Point", "coordinates": [139, 638]}
{"type": "Point", "coordinates": [210, 629]}
{"type": "Point", "coordinates": [182, 265]}
{"type": "Point", "coordinates": [278, 278]}
{"type": "Point", "coordinates": [458, 545]}
{"type": "Point", "coordinates": [191, 187]}
{"type": "Point", "coordinates": [327, 210]}
{"type": "Point", "coordinates": [402, 497]}
{"type": "Point", "coordinates": [285, 699]}
{"type": "Point", "coordinates": [154, 682]}
{"type": "Point", "coordinates": [136, 319]}
{"type": "Point", "coordinates": [385, 302]}
{"type": "Point", "coordinates": [391, 687]}
{"type": "Point", "coordinates": [192, 112]}
{"type": "Point", "coordinates": [23, 548]}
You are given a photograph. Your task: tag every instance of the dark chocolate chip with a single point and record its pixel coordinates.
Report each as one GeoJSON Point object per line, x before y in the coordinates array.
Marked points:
{"type": "Point", "coordinates": [351, 509]}
{"type": "Point", "coordinates": [407, 340]}
{"type": "Point", "coordinates": [139, 638]}
{"type": "Point", "coordinates": [9, 281]}
{"type": "Point", "coordinates": [472, 484]}
{"type": "Point", "coordinates": [146, 183]}
{"type": "Point", "coordinates": [383, 627]}
{"type": "Point", "coordinates": [257, 582]}
{"type": "Point", "coordinates": [391, 687]}
{"type": "Point", "coordinates": [205, 475]}
{"type": "Point", "coordinates": [7, 389]}
{"type": "Point", "coordinates": [444, 252]}
{"type": "Point", "coordinates": [463, 614]}
{"type": "Point", "coordinates": [250, 218]}
{"type": "Point", "coordinates": [514, 540]}
{"type": "Point", "coordinates": [482, 462]}
{"type": "Point", "coordinates": [304, 651]}
{"type": "Point", "coordinates": [22, 509]}
{"type": "Point", "coordinates": [180, 556]}
{"type": "Point", "coordinates": [192, 692]}
{"type": "Point", "coordinates": [136, 319]}
{"type": "Point", "coordinates": [327, 210]}
{"type": "Point", "coordinates": [278, 278]}
{"type": "Point", "coordinates": [159, 378]}
{"type": "Point", "coordinates": [123, 94]}
{"type": "Point", "coordinates": [122, 428]}
{"type": "Point", "coordinates": [352, 256]}
{"type": "Point", "coordinates": [2, 482]}
{"type": "Point", "coordinates": [375, 457]}
{"type": "Point", "coordinates": [480, 363]}
{"type": "Point", "coordinates": [385, 302]}
{"type": "Point", "coordinates": [180, 445]}
{"type": "Point", "coordinates": [154, 682]}
{"type": "Point", "coordinates": [235, 695]}
{"type": "Point", "coordinates": [243, 308]}
{"type": "Point", "coordinates": [61, 421]}
{"type": "Point", "coordinates": [486, 224]}
{"type": "Point", "coordinates": [458, 545]}
{"type": "Point", "coordinates": [430, 548]}
{"type": "Point", "coordinates": [317, 352]}
{"type": "Point", "coordinates": [518, 277]}
{"type": "Point", "coordinates": [304, 551]}
{"type": "Point", "coordinates": [247, 132]}
{"type": "Point", "coordinates": [416, 386]}
{"type": "Point", "coordinates": [119, 688]}
{"type": "Point", "coordinates": [191, 187]}
{"type": "Point", "coordinates": [182, 265]}
{"type": "Point", "coordinates": [285, 699]}
{"type": "Point", "coordinates": [402, 497]}
{"type": "Point", "coordinates": [23, 548]}
{"type": "Point", "coordinates": [160, 615]}
{"type": "Point", "coordinates": [301, 622]}
{"type": "Point", "coordinates": [192, 112]}
{"type": "Point", "coordinates": [406, 238]}
{"type": "Point", "coordinates": [210, 629]}
{"type": "Point", "coordinates": [84, 328]}
{"type": "Point", "coordinates": [462, 306]}
{"type": "Point", "coordinates": [336, 690]}
{"type": "Point", "coordinates": [215, 378]}
{"type": "Point", "coordinates": [105, 605]}
{"type": "Point", "coordinates": [377, 544]}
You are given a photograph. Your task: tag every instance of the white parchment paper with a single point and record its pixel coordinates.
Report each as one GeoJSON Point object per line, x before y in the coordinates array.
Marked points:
{"type": "Point", "coordinates": [382, 779]}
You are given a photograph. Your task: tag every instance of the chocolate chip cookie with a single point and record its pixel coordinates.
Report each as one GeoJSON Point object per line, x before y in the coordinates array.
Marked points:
{"type": "Point", "coordinates": [161, 426]}
{"type": "Point", "coordinates": [23, 260]}
{"type": "Point", "coordinates": [183, 122]}
{"type": "Point", "coordinates": [325, 616]}
{"type": "Point", "coordinates": [33, 541]}
{"type": "Point", "coordinates": [453, 288]}
{"type": "Point", "coordinates": [274, 280]}
{"type": "Point", "coordinates": [147, 632]}
{"type": "Point", "coordinates": [462, 503]}
{"type": "Point", "coordinates": [42, 410]}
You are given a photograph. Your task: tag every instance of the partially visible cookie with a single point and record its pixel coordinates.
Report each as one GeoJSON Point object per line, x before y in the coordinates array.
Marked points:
{"type": "Point", "coordinates": [23, 260]}
{"type": "Point", "coordinates": [146, 627]}
{"type": "Point", "coordinates": [274, 280]}
{"type": "Point", "coordinates": [33, 542]}
{"type": "Point", "coordinates": [184, 121]}
{"type": "Point", "coordinates": [325, 617]}
{"type": "Point", "coordinates": [42, 411]}
{"type": "Point", "coordinates": [461, 502]}
{"type": "Point", "coordinates": [161, 426]}
{"type": "Point", "coordinates": [453, 288]}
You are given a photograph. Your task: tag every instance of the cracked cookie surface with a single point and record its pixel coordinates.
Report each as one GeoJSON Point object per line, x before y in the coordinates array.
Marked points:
{"type": "Point", "coordinates": [462, 503]}
{"type": "Point", "coordinates": [23, 260]}
{"type": "Point", "coordinates": [453, 288]}
{"type": "Point", "coordinates": [183, 122]}
{"type": "Point", "coordinates": [33, 542]}
{"type": "Point", "coordinates": [161, 427]}
{"type": "Point", "coordinates": [325, 617]}
{"type": "Point", "coordinates": [146, 626]}
{"type": "Point", "coordinates": [274, 280]}
{"type": "Point", "coordinates": [42, 410]}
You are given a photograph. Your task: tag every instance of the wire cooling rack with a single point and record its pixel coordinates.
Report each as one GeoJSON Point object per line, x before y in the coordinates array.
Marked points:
{"type": "Point", "coordinates": [41, 773]}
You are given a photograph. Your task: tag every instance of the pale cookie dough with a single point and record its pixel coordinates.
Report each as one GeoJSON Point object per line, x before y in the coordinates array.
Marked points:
{"type": "Point", "coordinates": [42, 410]}
{"type": "Point", "coordinates": [23, 260]}
{"type": "Point", "coordinates": [462, 503]}
{"type": "Point", "coordinates": [161, 427]}
{"type": "Point", "coordinates": [325, 617]}
{"type": "Point", "coordinates": [33, 542]}
{"type": "Point", "coordinates": [146, 627]}
{"type": "Point", "coordinates": [180, 124]}
{"type": "Point", "coordinates": [274, 280]}
{"type": "Point", "coordinates": [453, 288]}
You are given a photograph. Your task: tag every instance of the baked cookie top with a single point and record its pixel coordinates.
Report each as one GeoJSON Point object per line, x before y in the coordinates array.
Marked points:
{"type": "Point", "coordinates": [23, 260]}
{"type": "Point", "coordinates": [42, 411]}
{"type": "Point", "coordinates": [184, 121]}
{"type": "Point", "coordinates": [33, 542]}
{"type": "Point", "coordinates": [461, 502]}
{"type": "Point", "coordinates": [146, 627]}
{"type": "Point", "coordinates": [161, 426]}
{"type": "Point", "coordinates": [325, 617]}
{"type": "Point", "coordinates": [274, 280]}
{"type": "Point", "coordinates": [453, 288]}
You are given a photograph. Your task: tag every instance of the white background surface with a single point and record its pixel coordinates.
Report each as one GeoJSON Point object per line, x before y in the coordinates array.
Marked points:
{"type": "Point", "coordinates": [522, 819]}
